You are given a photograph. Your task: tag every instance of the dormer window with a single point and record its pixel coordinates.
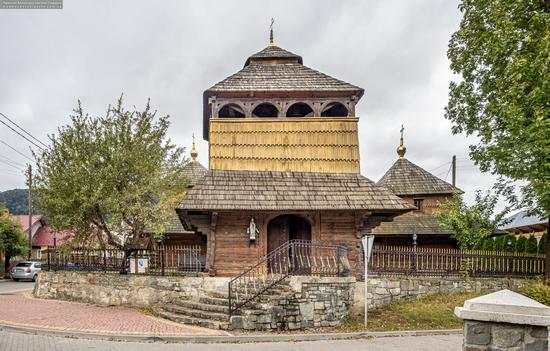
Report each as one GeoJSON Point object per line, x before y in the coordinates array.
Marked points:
{"type": "Point", "coordinates": [419, 204]}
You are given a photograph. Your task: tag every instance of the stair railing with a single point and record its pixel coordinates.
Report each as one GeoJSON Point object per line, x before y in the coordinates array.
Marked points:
{"type": "Point", "coordinates": [295, 257]}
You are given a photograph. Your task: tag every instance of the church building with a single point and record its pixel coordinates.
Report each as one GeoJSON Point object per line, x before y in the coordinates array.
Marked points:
{"type": "Point", "coordinates": [284, 156]}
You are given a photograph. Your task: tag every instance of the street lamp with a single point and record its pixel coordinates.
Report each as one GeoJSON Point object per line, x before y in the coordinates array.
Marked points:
{"type": "Point", "coordinates": [509, 245]}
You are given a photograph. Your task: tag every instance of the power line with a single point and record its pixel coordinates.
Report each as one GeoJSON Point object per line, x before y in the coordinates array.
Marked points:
{"type": "Point", "coordinates": [24, 131]}
{"type": "Point", "coordinates": [448, 172]}
{"type": "Point", "coordinates": [21, 135]}
{"type": "Point", "coordinates": [438, 167]}
{"type": "Point", "coordinates": [14, 149]}
{"type": "Point", "coordinates": [12, 161]}
{"type": "Point", "coordinates": [11, 165]}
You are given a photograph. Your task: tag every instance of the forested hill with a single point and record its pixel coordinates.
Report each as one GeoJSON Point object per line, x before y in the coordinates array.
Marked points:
{"type": "Point", "coordinates": [16, 200]}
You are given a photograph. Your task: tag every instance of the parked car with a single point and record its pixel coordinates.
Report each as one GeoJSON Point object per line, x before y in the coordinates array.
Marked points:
{"type": "Point", "coordinates": [26, 270]}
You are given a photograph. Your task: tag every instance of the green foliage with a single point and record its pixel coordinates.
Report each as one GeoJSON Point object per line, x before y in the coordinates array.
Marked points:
{"type": "Point", "coordinates": [17, 201]}
{"type": "Point", "coordinates": [470, 225]}
{"type": "Point", "coordinates": [510, 238]}
{"type": "Point", "coordinates": [489, 244]}
{"type": "Point", "coordinates": [531, 246]}
{"type": "Point", "coordinates": [500, 243]}
{"type": "Point", "coordinates": [539, 292]}
{"type": "Point", "coordinates": [500, 53]}
{"type": "Point", "coordinates": [13, 241]}
{"type": "Point", "coordinates": [111, 178]}
{"type": "Point", "coordinates": [521, 244]}
{"type": "Point", "coordinates": [542, 243]}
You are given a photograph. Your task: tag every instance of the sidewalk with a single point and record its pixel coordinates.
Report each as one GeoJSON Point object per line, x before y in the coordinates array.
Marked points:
{"type": "Point", "coordinates": [20, 309]}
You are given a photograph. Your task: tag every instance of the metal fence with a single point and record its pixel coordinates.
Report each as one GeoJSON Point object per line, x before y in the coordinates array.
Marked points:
{"type": "Point", "coordinates": [164, 260]}
{"type": "Point", "coordinates": [441, 261]}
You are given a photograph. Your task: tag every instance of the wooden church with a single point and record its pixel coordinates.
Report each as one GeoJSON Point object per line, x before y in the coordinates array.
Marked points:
{"type": "Point", "coordinates": [284, 156]}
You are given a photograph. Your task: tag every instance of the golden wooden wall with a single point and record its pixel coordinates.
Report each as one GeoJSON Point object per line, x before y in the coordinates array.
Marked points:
{"type": "Point", "coordinates": [328, 145]}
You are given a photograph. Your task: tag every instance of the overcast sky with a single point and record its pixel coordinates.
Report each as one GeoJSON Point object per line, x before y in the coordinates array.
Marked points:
{"type": "Point", "coordinates": [171, 51]}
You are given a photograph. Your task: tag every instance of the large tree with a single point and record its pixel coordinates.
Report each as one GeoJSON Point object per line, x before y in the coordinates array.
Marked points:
{"type": "Point", "coordinates": [471, 225]}
{"type": "Point", "coordinates": [111, 179]}
{"type": "Point", "coordinates": [13, 241]}
{"type": "Point", "coordinates": [501, 53]}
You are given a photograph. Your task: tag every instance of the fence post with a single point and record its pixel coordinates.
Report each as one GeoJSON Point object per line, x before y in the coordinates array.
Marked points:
{"type": "Point", "coordinates": [338, 262]}
{"type": "Point", "coordinates": [162, 258]}
{"type": "Point", "coordinates": [49, 253]}
{"type": "Point", "coordinates": [105, 260]}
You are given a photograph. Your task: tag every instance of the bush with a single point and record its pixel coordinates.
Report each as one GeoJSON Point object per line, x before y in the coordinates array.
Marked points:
{"type": "Point", "coordinates": [539, 292]}
{"type": "Point", "coordinates": [542, 243]}
{"type": "Point", "coordinates": [499, 243]}
{"type": "Point", "coordinates": [521, 244]}
{"type": "Point", "coordinates": [511, 237]}
{"type": "Point", "coordinates": [531, 246]}
{"type": "Point", "coordinates": [489, 244]}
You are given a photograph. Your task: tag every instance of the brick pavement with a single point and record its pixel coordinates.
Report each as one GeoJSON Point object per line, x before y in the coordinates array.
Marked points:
{"type": "Point", "coordinates": [20, 308]}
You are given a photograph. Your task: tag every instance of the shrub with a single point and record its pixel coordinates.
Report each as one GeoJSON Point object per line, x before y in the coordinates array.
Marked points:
{"type": "Point", "coordinates": [489, 244]}
{"type": "Point", "coordinates": [500, 243]}
{"type": "Point", "coordinates": [512, 239]}
{"type": "Point", "coordinates": [521, 244]}
{"type": "Point", "coordinates": [539, 292]}
{"type": "Point", "coordinates": [542, 243]}
{"type": "Point", "coordinates": [531, 244]}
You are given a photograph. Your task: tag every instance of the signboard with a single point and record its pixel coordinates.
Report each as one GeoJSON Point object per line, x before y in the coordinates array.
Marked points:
{"type": "Point", "coordinates": [368, 242]}
{"type": "Point", "coordinates": [139, 265]}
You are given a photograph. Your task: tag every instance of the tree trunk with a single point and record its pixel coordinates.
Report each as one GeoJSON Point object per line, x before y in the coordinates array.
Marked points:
{"type": "Point", "coordinates": [547, 259]}
{"type": "Point", "coordinates": [7, 266]}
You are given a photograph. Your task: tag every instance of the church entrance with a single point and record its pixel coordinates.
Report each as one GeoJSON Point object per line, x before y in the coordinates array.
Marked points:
{"type": "Point", "coordinates": [284, 228]}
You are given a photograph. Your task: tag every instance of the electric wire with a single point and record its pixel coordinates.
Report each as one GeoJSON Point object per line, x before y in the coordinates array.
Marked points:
{"type": "Point", "coordinates": [14, 149]}
{"type": "Point", "coordinates": [23, 129]}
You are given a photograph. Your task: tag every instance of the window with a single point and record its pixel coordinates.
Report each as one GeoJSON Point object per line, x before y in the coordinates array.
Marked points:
{"type": "Point", "coordinates": [231, 111]}
{"type": "Point", "coordinates": [419, 204]}
{"type": "Point", "coordinates": [334, 109]}
{"type": "Point", "coordinates": [265, 110]}
{"type": "Point", "coordinates": [299, 109]}
{"type": "Point", "coordinates": [39, 254]}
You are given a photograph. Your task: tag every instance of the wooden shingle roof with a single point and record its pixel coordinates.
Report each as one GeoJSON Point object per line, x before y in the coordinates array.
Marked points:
{"type": "Point", "coordinates": [249, 190]}
{"type": "Point", "coordinates": [194, 171]}
{"type": "Point", "coordinates": [406, 178]}
{"type": "Point", "coordinates": [419, 223]}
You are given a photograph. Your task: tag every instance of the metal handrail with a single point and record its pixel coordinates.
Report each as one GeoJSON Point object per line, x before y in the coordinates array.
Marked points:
{"type": "Point", "coordinates": [295, 257]}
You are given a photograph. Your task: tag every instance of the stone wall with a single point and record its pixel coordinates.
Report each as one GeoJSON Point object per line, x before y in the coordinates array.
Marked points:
{"type": "Point", "coordinates": [113, 289]}
{"type": "Point", "coordinates": [310, 302]}
{"type": "Point", "coordinates": [384, 289]}
{"type": "Point", "coordinates": [488, 336]}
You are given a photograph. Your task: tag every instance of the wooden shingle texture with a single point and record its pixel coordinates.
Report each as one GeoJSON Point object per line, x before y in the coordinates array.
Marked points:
{"type": "Point", "coordinates": [419, 223]}
{"type": "Point", "coordinates": [406, 178]}
{"type": "Point", "coordinates": [194, 171]}
{"type": "Point", "coordinates": [249, 190]}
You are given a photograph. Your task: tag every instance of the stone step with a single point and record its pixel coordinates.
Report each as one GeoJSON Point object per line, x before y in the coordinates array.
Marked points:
{"type": "Point", "coordinates": [197, 313]}
{"type": "Point", "coordinates": [205, 323]}
{"type": "Point", "coordinates": [210, 300]}
{"type": "Point", "coordinates": [203, 306]}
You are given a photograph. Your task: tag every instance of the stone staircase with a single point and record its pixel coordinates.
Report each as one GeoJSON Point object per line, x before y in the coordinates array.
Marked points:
{"type": "Point", "coordinates": [211, 309]}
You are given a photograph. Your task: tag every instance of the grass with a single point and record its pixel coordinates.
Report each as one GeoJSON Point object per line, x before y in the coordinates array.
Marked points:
{"type": "Point", "coordinates": [430, 312]}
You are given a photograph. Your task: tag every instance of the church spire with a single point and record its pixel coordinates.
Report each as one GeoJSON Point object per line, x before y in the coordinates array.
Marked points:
{"type": "Point", "coordinates": [194, 152]}
{"type": "Point", "coordinates": [401, 149]}
{"type": "Point", "coordinates": [271, 42]}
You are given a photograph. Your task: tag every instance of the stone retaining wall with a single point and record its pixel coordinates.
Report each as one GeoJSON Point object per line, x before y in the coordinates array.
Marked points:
{"type": "Point", "coordinates": [113, 289]}
{"type": "Point", "coordinates": [384, 289]}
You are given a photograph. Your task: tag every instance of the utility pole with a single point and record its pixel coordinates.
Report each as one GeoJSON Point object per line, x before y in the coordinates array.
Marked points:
{"type": "Point", "coordinates": [454, 170]}
{"type": "Point", "coordinates": [30, 210]}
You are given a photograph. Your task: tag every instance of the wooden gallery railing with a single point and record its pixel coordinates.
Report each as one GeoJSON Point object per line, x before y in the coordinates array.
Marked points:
{"type": "Point", "coordinates": [164, 260]}
{"type": "Point", "coordinates": [439, 261]}
{"type": "Point", "coordinates": [295, 257]}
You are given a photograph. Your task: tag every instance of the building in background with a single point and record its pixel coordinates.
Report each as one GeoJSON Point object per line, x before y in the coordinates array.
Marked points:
{"type": "Point", "coordinates": [523, 224]}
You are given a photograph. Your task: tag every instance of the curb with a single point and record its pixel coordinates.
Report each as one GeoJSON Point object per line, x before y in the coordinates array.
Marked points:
{"type": "Point", "coordinates": [223, 339]}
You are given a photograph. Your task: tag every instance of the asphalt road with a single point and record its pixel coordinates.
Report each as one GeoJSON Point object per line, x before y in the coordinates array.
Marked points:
{"type": "Point", "coordinates": [7, 286]}
{"type": "Point", "coordinates": [12, 341]}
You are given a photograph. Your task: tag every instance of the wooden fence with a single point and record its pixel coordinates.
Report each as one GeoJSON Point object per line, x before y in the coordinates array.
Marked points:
{"type": "Point", "coordinates": [165, 260]}
{"type": "Point", "coordinates": [440, 261]}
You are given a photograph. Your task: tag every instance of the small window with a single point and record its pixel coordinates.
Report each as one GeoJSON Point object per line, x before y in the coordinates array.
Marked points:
{"type": "Point", "coordinates": [24, 264]}
{"type": "Point", "coordinates": [299, 109]}
{"type": "Point", "coordinates": [39, 254]}
{"type": "Point", "coordinates": [37, 265]}
{"type": "Point", "coordinates": [419, 204]}
{"type": "Point", "coordinates": [334, 109]}
{"type": "Point", "coordinates": [265, 110]}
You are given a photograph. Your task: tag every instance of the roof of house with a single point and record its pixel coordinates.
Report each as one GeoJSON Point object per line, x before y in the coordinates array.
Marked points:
{"type": "Point", "coordinates": [194, 171]}
{"type": "Point", "coordinates": [23, 220]}
{"type": "Point", "coordinates": [406, 178]}
{"type": "Point", "coordinates": [524, 222]}
{"type": "Point", "coordinates": [419, 223]}
{"type": "Point", "coordinates": [249, 190]}
{"type": "Point", "coordinates": [44, 236]}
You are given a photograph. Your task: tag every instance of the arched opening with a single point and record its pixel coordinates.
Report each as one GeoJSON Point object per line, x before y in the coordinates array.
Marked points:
{"type": "Point", "coordinates": [265, 110]}
{"type": "Point", "coordinates": [334, 109]}
{"type": "Point", "coordinates": [284, 228]}
{"type": "Point", "coordinates": [231, 111]}
{"type": "Point", "coordinates": [299, 109]}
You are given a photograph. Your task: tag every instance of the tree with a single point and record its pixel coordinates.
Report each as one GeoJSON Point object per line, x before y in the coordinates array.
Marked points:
{"type": "Point", "coordinates": [500, 53]}
{"type": "Point", "coordinates": [470, 225]}
{"type": "Point", "coordinates": [111, 179]}
{"type": "Point", "coordinates": [500, 243]}
{"type": "Point", "coordinates": [488, 244]}
{"type": "Point", "coordinates": [531, 246]}
{"type": "Point", "coordinates": [510, 238]}
{"type": "Point", "coordinates": [13, 241]}
{"type": "Point", "coordinates": [542, 243]}
{"type": "Point", "coordinates": [521, 244]}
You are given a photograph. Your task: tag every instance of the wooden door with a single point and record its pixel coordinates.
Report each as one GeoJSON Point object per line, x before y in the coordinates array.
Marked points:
{"type": "Point", "coordinates": [277, 233]}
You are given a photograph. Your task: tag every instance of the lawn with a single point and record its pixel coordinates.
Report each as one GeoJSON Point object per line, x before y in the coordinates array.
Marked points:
{"type": "Point", "coordinates": [431, 312]}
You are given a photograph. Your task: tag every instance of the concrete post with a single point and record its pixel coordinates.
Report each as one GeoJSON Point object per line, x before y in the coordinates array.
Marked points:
{"type": "Point", "coordinates": [504, 321]}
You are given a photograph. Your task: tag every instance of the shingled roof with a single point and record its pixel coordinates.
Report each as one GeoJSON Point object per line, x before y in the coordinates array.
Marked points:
{"type": "Point", "coordinates": [273, 52]}
{"type": "Point", "coordinates": [406, 178]}
{"type": "Point", "coordinates": [248, 190]}
{"type": "Point", "coordinates": [419, 223]}
{"type": "Point", "coordinates": [194, 171]}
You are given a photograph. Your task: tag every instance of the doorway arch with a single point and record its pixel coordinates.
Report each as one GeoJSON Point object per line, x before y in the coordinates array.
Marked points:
{"type": "Point", "coordinates": [284, 228]}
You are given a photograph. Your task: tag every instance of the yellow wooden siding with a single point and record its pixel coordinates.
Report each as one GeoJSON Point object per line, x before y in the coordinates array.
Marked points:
{"type": "Point", "coordinates": [327, 145]}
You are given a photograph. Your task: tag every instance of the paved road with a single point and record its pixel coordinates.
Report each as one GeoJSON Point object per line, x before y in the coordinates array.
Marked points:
{"type": "Point", "coordinates": [7, 285]}
{"type": "Point", "coordinates": [11, 341]}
